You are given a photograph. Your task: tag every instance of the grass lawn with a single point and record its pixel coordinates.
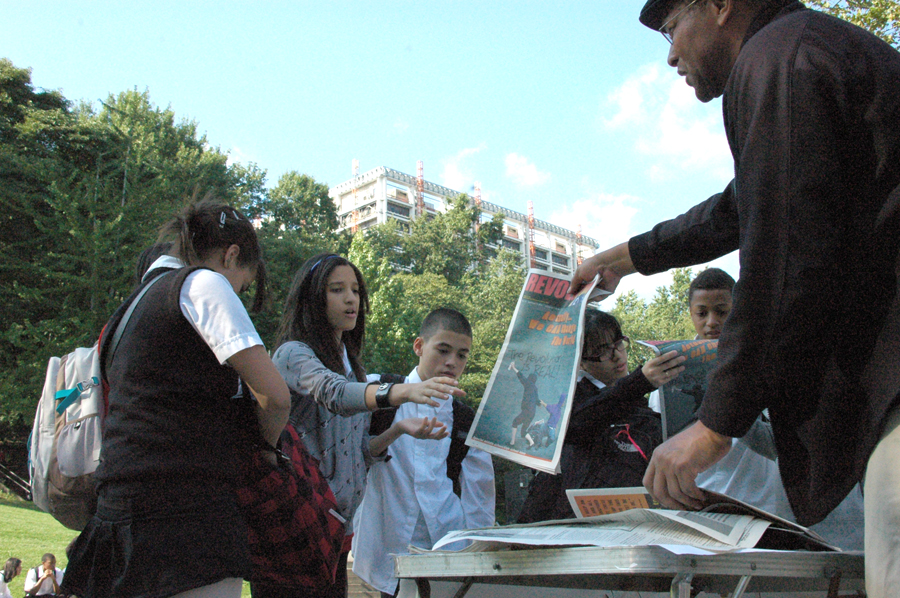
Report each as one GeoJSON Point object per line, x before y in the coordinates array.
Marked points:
{"type": "Point", "coordinates": [27, 533]}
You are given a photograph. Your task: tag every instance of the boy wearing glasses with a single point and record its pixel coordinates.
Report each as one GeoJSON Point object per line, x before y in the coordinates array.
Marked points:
{"type": "Point", "coordinates": [611, 432]}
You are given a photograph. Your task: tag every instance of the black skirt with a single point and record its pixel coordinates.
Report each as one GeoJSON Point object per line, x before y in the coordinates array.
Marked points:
{"type": "Point", "coordinates": [154, 544]}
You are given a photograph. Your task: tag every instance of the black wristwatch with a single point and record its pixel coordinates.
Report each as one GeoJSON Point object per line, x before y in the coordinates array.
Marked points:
{"type": "Point", "coordinates": [381, 395]}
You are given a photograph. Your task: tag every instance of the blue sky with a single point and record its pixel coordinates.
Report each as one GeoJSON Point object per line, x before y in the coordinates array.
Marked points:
{"type": "Point", "coordinates": [569, 104]}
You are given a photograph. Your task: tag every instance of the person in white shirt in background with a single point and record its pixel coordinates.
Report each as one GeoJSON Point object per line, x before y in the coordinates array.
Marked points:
{"type": "Point", "coordinates": [12, 568]}
{"type": "Point", "coordinates": [749, 471]}
{"type": "Point", "coordinates": [409, 499]}
{"type": "Point", "coordinates": [45, 579]}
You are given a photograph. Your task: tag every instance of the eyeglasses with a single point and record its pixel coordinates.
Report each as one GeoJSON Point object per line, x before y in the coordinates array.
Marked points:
{"type": "Point", "coordinates": [665, 28]}
{"type": "Point", "coordinates": [607, 352]}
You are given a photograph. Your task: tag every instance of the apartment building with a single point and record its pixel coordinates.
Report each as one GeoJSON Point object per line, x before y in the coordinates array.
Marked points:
{"type": "Point", "coordinates": [384, 193]}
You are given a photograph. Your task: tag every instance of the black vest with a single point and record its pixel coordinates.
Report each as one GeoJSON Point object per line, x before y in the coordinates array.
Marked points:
{"type": "Point", "coordinates": [173, 418]}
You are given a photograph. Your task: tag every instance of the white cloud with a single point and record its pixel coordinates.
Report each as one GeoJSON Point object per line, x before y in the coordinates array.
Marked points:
{"type": "Point", "coordinates": [609, 219]}
{"type": "Point", "coordinates": [604, 217]}
{"type": "Point", "coordinates": [490, 196]}
{"type": "Point", "coordinates": [675, 132]}
{"type": "Point", "coordinates": [628, 99]}
{"type": "Point", "coordinates": [523, 172]}
{"type": "Point", "coordinates": [455, 175]}
{"type": "Point", "coordinates": [674, 137]}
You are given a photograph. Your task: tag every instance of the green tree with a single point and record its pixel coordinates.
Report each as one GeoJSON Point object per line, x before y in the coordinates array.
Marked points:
{"type": "Point", "coordinates": [55, 170]}
{"type": "Point", "coordinates": [491, 296]}
{"type": "Point", "coordinates": [297, 221]}
{"type": "Point", "coordinates": [407, 276]}
{"type": "Point", "coordinates": [449, 244]}
{"type": "Point", "coordinates": [881, 17]}
{"type": "Point", "coordinates": [84, 192]}
{"type": "Point", "coordinates": [376, 252]}
{"type": "Point", "coordinates": [299, 202]}
{"type": "Point", "coordinates": [398, 308]}
{"type": "Point", "coordinates": [665, 317]}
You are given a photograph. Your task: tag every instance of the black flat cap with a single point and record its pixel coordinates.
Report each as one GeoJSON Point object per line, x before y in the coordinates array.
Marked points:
{"type": "Point", "coordinates": [654, 13]}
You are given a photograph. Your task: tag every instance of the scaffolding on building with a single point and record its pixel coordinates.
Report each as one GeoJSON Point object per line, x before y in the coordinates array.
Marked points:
{"type": "Point", "coordinates": [420, 188]}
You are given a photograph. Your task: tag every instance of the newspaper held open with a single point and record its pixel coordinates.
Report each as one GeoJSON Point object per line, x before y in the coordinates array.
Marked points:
{"type": "Point", "coordinates": [525, 409]}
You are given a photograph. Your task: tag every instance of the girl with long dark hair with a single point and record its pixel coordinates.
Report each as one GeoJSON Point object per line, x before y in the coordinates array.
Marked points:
{"type": "Point", "coordinates": [320, 340]}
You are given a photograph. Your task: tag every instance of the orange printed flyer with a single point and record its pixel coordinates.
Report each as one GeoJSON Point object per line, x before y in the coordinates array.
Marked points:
{"type": "Point", "coordinates": [606, 501]}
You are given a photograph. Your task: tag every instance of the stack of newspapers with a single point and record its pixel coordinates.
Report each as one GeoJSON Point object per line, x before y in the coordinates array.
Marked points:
{"type": "Point", "coordinates": [630, 517]}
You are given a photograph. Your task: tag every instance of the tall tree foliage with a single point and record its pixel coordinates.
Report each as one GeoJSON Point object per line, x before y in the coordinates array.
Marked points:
{"type": "Point", "coordinates": [442, 261]}
{"type": "Point", "coordinates": [297, 221]}
{"type": "Point", "coordinates": [84, 192]}
{"type": "Point", "coordinates": [881, 17]}
{"type": "Point", "coordinates": [449, 244]}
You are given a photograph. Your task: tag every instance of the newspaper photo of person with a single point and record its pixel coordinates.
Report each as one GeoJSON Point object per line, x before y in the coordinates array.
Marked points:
{"type": "Point", "coordinates": [530, 401]}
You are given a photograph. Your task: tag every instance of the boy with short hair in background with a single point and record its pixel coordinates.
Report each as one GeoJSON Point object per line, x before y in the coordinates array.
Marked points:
{"type": "Point", "coordinates": [749, 471]}
{"type": "Point", "coordinates": [409, 497]}
{"type": "Point", "coordinates": [743, 474]}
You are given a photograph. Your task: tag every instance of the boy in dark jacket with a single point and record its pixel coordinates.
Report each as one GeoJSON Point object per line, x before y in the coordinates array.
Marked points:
{"type": "Point", "coordinates": [611, 432]}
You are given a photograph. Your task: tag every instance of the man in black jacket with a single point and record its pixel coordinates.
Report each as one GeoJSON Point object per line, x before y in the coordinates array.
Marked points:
{"type": "Point", "coordinates": [812, 115]}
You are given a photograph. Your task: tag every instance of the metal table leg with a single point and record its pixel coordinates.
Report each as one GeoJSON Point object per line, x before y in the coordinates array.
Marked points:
{"type": "Point", "coordinates": [424, 587]}
{"type": "Point", "coordinates": [681, 585]}
{"type": "Point", "coordinates": [741, 587]}
{"type": "Point", "coordinates": [463, 590]}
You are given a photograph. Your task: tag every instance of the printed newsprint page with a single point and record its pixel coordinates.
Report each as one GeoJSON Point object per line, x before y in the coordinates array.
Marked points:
{"type": "Point", "coordinates": [680, 398]}
{"type": "Point", "coordinates": [525, 409]}
{"type": "Point", "coordinates": [715, 532]}
{"type": "Point", "coordinates": [783, 534]}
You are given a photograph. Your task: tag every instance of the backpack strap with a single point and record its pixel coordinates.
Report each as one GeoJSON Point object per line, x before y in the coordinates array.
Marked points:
{"type": "Point", "coordinates": [110, 350]}
{"type": "Point", "coordinates": [463, 417]}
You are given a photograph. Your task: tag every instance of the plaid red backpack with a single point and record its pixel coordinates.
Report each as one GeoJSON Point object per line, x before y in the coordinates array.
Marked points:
{"type": "Point", "coordinates": [296, 533]}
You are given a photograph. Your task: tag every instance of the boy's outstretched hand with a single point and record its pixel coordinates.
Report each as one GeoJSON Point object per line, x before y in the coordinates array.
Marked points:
{"type": "Point", "coordinates": [423, 428]}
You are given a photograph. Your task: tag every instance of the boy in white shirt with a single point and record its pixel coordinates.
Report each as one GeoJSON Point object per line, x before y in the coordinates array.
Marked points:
{"type": "Point", "coordinates": [44, 579]}
{"type": "Point", "coordinates": [409, 497]}
{"type": "Point", "coordinates": [749, 471]}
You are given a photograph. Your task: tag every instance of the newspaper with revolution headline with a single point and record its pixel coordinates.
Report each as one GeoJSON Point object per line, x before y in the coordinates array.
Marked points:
{"type": "Point", "coordinates": [525, 409]}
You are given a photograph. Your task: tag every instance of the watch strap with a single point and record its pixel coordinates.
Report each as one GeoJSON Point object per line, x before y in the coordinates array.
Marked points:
{"type": "Point", "coordinates": [381, 395]}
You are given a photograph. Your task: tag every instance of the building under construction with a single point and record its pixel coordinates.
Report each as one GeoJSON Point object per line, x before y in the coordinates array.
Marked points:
{"type": "Point", "coordinates": [383, 193]}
